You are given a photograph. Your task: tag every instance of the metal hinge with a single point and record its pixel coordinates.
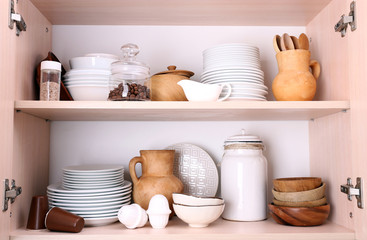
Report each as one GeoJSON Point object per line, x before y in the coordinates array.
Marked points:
{"type": "Point", "coordinates": [10, 193]}
{"type": "Point", "coordinates": [354, 191]}
{"type": "Point", "coordinates": [16, 18]}
{"type": "Point", "coordinates": [344, 21]}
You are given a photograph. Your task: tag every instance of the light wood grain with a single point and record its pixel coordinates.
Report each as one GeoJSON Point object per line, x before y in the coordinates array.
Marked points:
{"type": "Point", "coordinates": [176, 229]}
{"type": "Point", "coordinates": [178, 111]}
{"type": "Point", "coordinates": [189, 12]}
{"type": "Point", "coordinates": [31, 134]}
{"type": "Point", "coordinates": [357, 72]}
{"type": "Point", "coordinates": [7, 85]}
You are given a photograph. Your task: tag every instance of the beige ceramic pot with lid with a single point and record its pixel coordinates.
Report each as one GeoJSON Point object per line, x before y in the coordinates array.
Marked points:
{"type": "Point", "coordinates": [164, 84]}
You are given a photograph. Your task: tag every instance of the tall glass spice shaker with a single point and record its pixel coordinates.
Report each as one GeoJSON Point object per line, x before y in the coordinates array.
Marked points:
{"type": "Point", "coordinates": [244, 179]}
{"type": "Point", "coordinates": [50, 81]}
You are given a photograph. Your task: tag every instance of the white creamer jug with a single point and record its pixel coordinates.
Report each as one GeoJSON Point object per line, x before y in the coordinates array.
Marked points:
{"type": "Point", "coordinates": [244, 179]}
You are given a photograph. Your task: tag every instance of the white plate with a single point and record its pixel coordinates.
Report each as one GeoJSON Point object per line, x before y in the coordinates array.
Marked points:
{"type": "Point", "coordinates": [78, 209]}
{"type": "Point", "coordinates": [196, 169]}
{"type": "Point", "coordinates": [245, 91]}
{"type": "Point", "coordinates": [93, 175]}
{"type": "Point", "coordinates": [247, 85]}
{"type": "Point", "coordinates": [96, 183]}
{"type": "Point", "coordinates": [93, 212]}
{"type": "Point", "coordinates": [112, 194]}
{"type": "Point", "coordinates": [90, 187]}
{"type": "Point", "coordinates": [245, 99]}
{"type": "Point", "coordinates": [233, 70]}
{"type": "Point", "coordinates": [95, 222]}
{"type": "Point", "coordinates": [103, 215]}
{"type": "Point", "coordinates": [93, 168]}
{"type": "Point", "coordinates": [238, 79]}
{"type": "Point", "coordinates": [89, 201]}
{"type": "Point", "coordinates": [249, 95]}
{"type": "Point", "coordinates": [56, 188]}
{"type": "Point", "coordinates": [90, 206]}
{"type": "Point", "coordinates": [75, 180]}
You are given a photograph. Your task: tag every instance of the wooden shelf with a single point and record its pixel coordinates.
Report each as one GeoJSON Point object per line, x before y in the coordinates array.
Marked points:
{"type": "Point", "coordinates": [179, 111]}
{"type": "Point", "coordinates": [176, 229]}
{"type": "Point", "coordinates": [188, 12]}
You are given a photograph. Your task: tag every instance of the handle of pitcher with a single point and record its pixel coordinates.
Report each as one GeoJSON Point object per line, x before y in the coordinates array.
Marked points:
{"type": "Point", "coordinates": [316, 69]}
{"type": "Point", "coordinates": [132, 165]}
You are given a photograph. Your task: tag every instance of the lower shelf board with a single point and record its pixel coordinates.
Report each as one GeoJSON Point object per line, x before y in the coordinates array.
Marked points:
{"type": "Point", "coordinates": [177, 230]}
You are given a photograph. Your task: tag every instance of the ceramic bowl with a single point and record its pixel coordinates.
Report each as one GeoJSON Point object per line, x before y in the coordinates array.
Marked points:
{"type": "Point", "coordinates": [184, 199]}
{"type": "Point", "coordinates": [296, 184]}
{"type": "Point", "coordinates": [302, 196]}
{"type": "Point", "coordinates": [89, 92]}
{"type": "Point", "coordinates": [91, 63]}
{"type": "Point", "coordinates": [300, 216]}
{"type": "Point", "coordinates": [314, 203]}
{"type": "Point", "coordinates": [198, 216]}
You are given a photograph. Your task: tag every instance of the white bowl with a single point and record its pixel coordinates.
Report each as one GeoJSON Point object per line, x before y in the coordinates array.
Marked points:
{"type": "Point", "coordinates": [184, 199]}
{"type": "Point", "coordinates": [91, 63]}
{"type": "Point", "coordinates": [198, 216]}
{"type": "Point", "coordinates": [89, 93]}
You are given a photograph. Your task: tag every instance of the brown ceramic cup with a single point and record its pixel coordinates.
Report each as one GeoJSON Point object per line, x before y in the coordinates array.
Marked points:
{"type": "Point", "coordinates": [37, 212]}
{"type": "Point", "coordinates": [60, 220]}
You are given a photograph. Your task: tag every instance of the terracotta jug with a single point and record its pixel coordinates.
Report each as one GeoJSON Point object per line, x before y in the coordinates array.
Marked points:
{"type": "Point", "coordinates": [157, 176]}
{"type": "Point", "coordinates": [294, 81]}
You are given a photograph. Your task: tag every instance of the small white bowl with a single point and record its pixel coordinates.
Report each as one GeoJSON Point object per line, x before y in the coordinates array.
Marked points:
{"type": "Point", "coordinates": [88, 93]}
{"type": "Point", "coordinates": [91, 63]}
{"type": "Point", "coordinates": [185, 199]}
{"type": "Point", "coordinates": [198, 216]}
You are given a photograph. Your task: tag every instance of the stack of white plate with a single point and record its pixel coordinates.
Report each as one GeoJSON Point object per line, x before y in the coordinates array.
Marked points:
{"type": "Point", "coordinates": [94, 192]}
{"type": "Point", "coordinates": [239, 65]}
{"type": "Point", "coordinates": [89, 76]}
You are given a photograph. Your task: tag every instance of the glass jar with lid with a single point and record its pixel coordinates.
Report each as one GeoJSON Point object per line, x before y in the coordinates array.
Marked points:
{"type": "Point", "coordinates": [129, 79]}
{"type": "Point", "coordinates": [244, 179]}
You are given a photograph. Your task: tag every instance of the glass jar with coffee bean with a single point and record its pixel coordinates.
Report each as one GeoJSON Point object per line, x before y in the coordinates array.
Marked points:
{"type": "Point", "coordinates": [129, 79]}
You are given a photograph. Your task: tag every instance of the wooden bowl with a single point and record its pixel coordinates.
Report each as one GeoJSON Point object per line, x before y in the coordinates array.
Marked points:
{"type": "Point", "coordinates": [314, 203]}
{"type": "Point", "coordinates": [303, 196]}
{"type": "Point", "coordinates": [296, 184]}
{"type": "Point", "coordinates": [299, 216]}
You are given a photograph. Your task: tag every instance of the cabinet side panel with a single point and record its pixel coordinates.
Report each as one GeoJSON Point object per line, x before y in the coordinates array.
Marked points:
{"type": "Point", "coordinates": [32, 47]}
{"type": "Point", "coordinates": [331, 51]}
{"type": "Point", "coordinates": [358, 100]}
{"type": "Point", "coordinates": [31, 134]}
{"type": "Point", "coordinates": [31, 163]}
{"type": "Point", "coordinates": [7, 38]}
{"type": "Point", "coordinates": [330, 158]}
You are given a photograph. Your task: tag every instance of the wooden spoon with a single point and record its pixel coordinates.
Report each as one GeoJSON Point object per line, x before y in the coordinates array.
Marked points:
{"type": "Point", "coordinates": [276, 43]}
{"type": "Point", "coordinates": [286, 42]}
{"type": "Point", "coordinates": [303, 41]}
{"type": "Point", "coordinates": [295, 42]}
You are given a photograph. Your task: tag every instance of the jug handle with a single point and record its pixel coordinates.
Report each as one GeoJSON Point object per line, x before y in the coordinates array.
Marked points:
{"type": "Point", "coordinates": [315, 67]}
{"type": "Point", "coordinates": [132, 165]}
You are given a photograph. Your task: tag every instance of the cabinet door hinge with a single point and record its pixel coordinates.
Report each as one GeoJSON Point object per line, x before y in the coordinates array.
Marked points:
{"type": "Point", "coordinates": [354, 191]}
{"type": "Point", "coordinates": [344, 21]}
{"type": "Point", "coordinates": [16, 18]}
{"type": "Point", "coordinates": [10, 193]}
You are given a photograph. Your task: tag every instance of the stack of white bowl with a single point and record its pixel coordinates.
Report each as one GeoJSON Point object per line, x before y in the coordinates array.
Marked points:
{"type": "Point", "coordinates": [239, 65]}
{"type": "Point", "coordinates": [89, 76]}
{"type": "Point", "coordinates": [94, 192]}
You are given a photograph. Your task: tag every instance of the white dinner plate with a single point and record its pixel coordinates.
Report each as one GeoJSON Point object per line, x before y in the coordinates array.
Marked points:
{"type": "Point", "coordinates": [78, 209]}
{"type": "Point", "coordinates": [93, 176]}
{"type": "Point", "coordinates": [93, 168]}
{"type": "Point", "coordinates": [245, 90]}
{"type": "Point", "coordinates": [92, 180]}
{"type": "Point", "coordinates": [111, 194]}
{"type": "Point", "coordinates": [245, 99]}
{"type": "Point", "coordinates": [56, 188]}
{"type": "Point", "coordinates": [196, 169]}
{"type": "Point", "coordinates": [90, 206]}
{"type": "Point", "coordinates": [90, 201]}
{"type": "Point", "coordinates": [90, 187]}
{"type": "Point", "coordinates": [97, 184]}
{"type": "Point", "coordinates": [238, 79]}
{"type": "Point", "coordinates": [95, 222]}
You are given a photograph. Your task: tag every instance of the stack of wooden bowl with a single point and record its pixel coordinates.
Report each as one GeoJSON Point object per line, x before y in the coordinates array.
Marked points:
{"type": "Point", "coordinates": [299, 201]}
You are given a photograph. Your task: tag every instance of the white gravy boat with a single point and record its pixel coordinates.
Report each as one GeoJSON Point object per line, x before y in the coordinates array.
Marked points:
{"type": "Point", "coordinates": [201, 92]}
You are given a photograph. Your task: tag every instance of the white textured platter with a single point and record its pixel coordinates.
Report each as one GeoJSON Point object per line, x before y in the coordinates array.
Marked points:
{"type": "Point", "coordinates": [196, 169]}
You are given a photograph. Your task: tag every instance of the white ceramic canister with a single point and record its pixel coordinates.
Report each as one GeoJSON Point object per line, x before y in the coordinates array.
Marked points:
{"type": "Point", "coordinates": [244, 179]}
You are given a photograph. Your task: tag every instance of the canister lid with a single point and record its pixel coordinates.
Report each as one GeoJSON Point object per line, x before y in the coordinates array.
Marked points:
{"type": "Point", "coordinates": [51, 65]}
{"type": "Point", "coordinates": [172, 70]}
{"type": "Point", "coordinates": [243, 138]}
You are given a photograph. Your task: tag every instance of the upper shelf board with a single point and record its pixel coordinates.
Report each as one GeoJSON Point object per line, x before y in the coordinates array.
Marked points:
{"type": "Point", "coordinates": [180, 111]}
{"type": "Point", "coordinates": [181, 12]}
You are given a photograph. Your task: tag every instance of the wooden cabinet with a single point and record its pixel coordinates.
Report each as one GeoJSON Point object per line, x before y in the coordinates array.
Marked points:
{"type": "Point", "coordinates": [337, 116]}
